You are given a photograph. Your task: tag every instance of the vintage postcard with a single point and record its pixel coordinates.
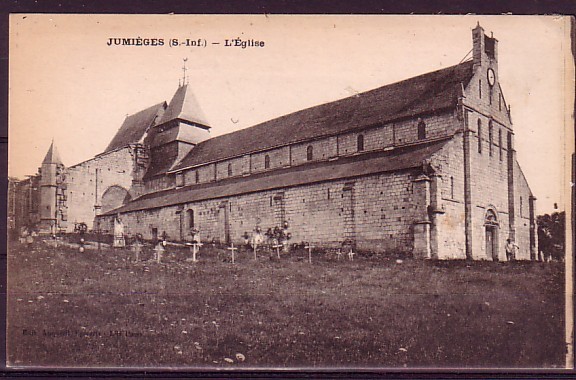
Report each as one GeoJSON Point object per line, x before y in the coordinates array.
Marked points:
{"type": "Point", "coordinates": [289, 192]}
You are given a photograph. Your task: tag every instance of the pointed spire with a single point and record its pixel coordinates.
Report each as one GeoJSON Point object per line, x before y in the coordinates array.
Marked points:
{"type": "Point", "coordinates": [184, 106]}
{"type": "Point", "coordinates": [52, 157]}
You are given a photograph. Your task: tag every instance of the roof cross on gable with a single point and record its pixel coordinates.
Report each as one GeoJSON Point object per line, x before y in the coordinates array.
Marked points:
{"type": "Point", "coordinates": [184, 81]}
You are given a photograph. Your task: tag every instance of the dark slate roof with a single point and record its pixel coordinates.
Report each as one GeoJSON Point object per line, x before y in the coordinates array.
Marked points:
{"type": "Point", "coordinates": [347, 167]}
{"type": "Point", "coordinates": [184, 106]}
{"type": "Point", "coordinates": [435, 91]}
{"type": "Point", "coordinates": [52, 156]}
{"type": "Point", "coordinates": [159, 166]}
{"type": "Point", "coordinates": [135, 127]}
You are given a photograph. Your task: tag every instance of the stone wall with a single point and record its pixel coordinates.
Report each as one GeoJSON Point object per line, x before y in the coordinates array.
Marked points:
{"type": "Point", "coordinates": [279, 158]}
{"type": "Point", "coordinates": [114, 169]}
{"type": "Point", "coordinates": [382, 206]}
{"type": "Point", "coordinates": [487, 111]}
{"type": "Point", "coordinates": [523, 215]}
{"type": "Point", "coordinates": [375, 138]}
{"type": "Point", "coordinates": [449, 163]}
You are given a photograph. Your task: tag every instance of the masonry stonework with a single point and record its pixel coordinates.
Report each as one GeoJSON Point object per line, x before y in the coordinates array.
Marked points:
{"type": "Point", "coordinates": [425, 167]}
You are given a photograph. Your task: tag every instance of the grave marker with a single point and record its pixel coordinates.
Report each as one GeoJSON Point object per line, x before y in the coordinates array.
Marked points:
{"type": "Point", "coordinates": [278, 246]}
{"type": "Point", "coordinates": [232, 248]}
{"type": "Point", "coordinates": [309, 248]}
{"type": "Point", "coordinates": [159, 250]}
{"type": "Point", "coordinates": [195, 247]}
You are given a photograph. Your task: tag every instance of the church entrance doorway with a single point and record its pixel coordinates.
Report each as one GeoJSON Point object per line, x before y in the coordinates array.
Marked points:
{"type": "Point", "coordinates": [491, 246]}
{"type": "Point", "coordinates": [491, 227]}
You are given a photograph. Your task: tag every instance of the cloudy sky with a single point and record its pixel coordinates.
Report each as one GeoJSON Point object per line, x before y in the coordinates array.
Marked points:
{"type": "Point", "coordinates": [67, 84]}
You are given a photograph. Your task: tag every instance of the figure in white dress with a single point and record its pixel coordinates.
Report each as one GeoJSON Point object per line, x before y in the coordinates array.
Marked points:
{"type": "Point", "coordinates": [119, 241]}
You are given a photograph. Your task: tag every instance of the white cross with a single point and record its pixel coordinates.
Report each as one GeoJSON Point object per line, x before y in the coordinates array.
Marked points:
{"type": "Point", "coordinates": [159, 249]}
{"type": "Point", "coordinates": [232, 248]}
{"type": "Point", "coordinates": [351, 255]}
{"type": "Point", "coordinates": [195, 248]}
{"type": "Point", "coordinates": [309, 248]}
{"type": "Point", "coordinates": [339, 254]}
{"type": "Point", "coordinates": [277, 246]}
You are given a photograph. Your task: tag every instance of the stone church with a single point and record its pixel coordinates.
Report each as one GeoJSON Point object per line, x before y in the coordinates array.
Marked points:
{"type": "Point", "coordinates": [425, 166]}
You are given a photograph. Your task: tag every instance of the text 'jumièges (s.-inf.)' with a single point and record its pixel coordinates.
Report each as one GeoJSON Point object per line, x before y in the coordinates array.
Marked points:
{"type": "Point", "coordinates": [186, 42]}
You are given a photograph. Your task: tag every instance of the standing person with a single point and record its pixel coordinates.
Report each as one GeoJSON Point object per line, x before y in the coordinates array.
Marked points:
{"type": "Point", "coordinates": [195, 232]}
{"type": "Point", "coordinates": [511, 248]}
{"type": "Point", "coordinates": [119, 241]}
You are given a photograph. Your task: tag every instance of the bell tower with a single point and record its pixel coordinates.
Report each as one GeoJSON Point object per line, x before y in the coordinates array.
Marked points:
{"type": "Point", "coordinates": [484, 50]}
{"type": "Point", "coordinates": [182, 127]}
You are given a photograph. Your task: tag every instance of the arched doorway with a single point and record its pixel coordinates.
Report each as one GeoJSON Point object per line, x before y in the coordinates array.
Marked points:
{"type": "Point", "coordinates": [114, 197]}
{"type": "Point", "coordinates": [491, 227]}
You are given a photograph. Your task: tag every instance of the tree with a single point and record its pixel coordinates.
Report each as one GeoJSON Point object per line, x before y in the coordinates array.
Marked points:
{"type": "Point", "coordinates": [551, 235]}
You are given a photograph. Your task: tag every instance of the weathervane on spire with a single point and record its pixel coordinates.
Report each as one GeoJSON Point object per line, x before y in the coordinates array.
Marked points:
{"type": "Point", "coordinates": [184, 72]}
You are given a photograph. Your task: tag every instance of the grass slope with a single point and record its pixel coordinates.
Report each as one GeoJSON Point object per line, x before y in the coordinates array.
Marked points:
{"type": "Point", "coordinates": [102, 309]}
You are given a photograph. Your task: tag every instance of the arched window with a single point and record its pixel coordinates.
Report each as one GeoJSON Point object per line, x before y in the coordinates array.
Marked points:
{"type": "Point", "coordinates": [480, 88]}
{"type": "Point", "coordinates": [179, 179]}
{"type": "Point", "coordinates": [490, 140]}
{"type": "Point", "coordinates": [197, 175]}
{"type": "Point", "coordinates": [500, 143]}
{"type": "Point", "coordinates": [479, 136]}
{"type": "Point", "coordinates": [360, 143]}
{"type": "Point", "coordinates": [229, 170]}
{"type": "Point", "coordinates": [266, 162]}
{"type": "Point", "coordinates": [190, 215]}
{"type": "Point", "coordinates": [452, 187]}
{"type": "Point", "coordinates": [421, 130]}
{"type": "Point", "coordinates": [309, 153]}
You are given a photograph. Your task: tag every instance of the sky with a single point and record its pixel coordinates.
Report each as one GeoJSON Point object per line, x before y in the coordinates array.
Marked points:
{"type": "Point", "coordinates": [68, 84]}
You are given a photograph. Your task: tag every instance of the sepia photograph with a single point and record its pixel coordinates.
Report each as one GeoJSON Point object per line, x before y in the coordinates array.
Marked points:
{"type": "Point", "coordinates": [252, 192]}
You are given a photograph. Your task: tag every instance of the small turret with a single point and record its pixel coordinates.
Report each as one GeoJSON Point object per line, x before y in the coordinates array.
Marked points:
{"type": "Point", "coordinates": [51, 191]}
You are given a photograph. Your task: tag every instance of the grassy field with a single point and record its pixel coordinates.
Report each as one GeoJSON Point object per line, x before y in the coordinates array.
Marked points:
{"type": "Point", "coordinates": [103, 309]}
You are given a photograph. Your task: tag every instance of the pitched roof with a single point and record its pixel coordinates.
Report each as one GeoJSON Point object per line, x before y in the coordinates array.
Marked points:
{"type": "Point", "coordinates": [52, 156]}
{"type": "Point", "coordinates": [346, 167]}
{"type": "Point", "coordinates": [419, 95]}
{"type": "Point", "coordinates": [135, 126]}
{"type": "Point", "coordinates": [184, 106]}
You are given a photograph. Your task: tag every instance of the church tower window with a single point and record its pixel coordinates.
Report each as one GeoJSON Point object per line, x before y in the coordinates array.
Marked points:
{"type": "Point", "coordinates": [229, 170]}
{"type": "Point", "coordinates": [266, 162]}
{"type": "Point", "coordinates": [197, 176]}
{"type": "Point", "coordinates": [480, 88]}
{"type": "Point", "coordinates": [479, 136]}
{"type": "Point", "coordinates": [309, 153]}
{"type": "Point", "coordinates": [179, 179]}
{"type": "Point", "coordinates": [490, 141]}
{"type": "Point", "coordinates": [360, 143]}
{"type": "Point", "coordinates": [190, 218]}
{"type": "Point", "coordinates": [500, 143]}
{"type": "Point", "coordinates": [421, 130]}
